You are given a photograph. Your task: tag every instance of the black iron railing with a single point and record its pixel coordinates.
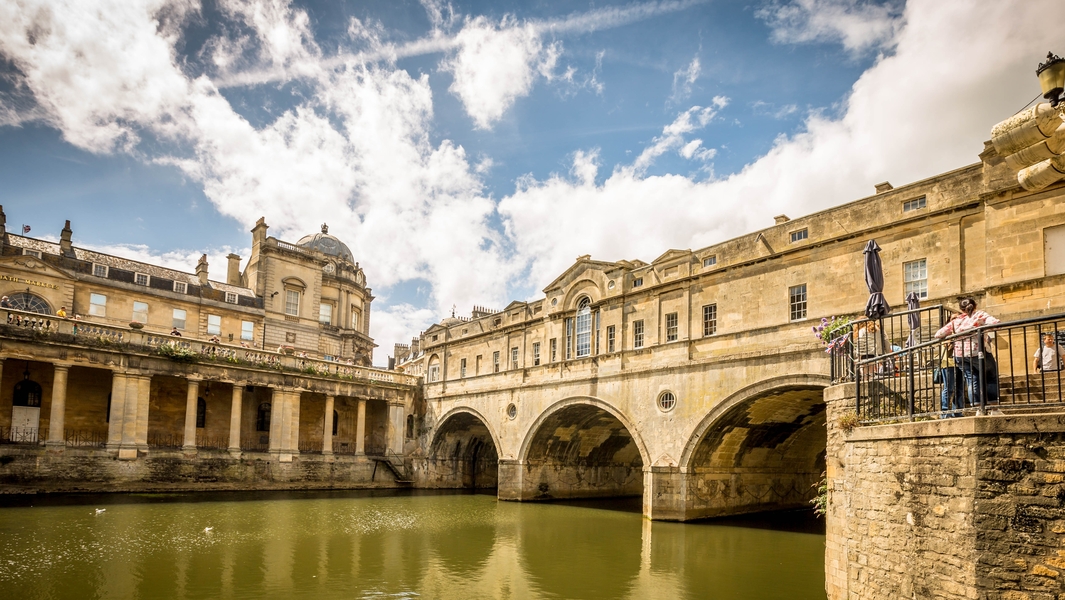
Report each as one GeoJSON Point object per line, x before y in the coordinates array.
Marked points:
{"type": "Point", "coordinates": [310, 447]}
{"type": "Point", "coordinates": [898, 330]}
{"type": "Point", "coordinates": [85, 437]}
{"type": "Point", "coordinates": [215, 442]}
{"type": "Point", "coordinates": [166, 440]}
{"type": "Point", "coordinates": [1009, 367]}
{"type": "Point", "coordinates": [19, 435]}
{"type": "Point", "coordinates": [258, 442]}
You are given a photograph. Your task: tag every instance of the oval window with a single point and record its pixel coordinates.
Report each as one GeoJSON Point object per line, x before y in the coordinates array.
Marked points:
{"type": "Point", "coordinates": [512, 411]}
{"type": "Point", "coordinates": [666, 401]}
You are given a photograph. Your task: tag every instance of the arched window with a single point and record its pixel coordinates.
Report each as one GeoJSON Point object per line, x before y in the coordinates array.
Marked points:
{"type": "Point", "coordinates": [410, 427]}
{"type": "Point", "coordinates": [201, 413]}
{"type": "Point", "coordinates": [30, 303]}
{"type": "Point", "coordinates": [584, 328]}
{"type": "Point", "coordinates": [262, 417]}
{"type": "Point", "coordinates": [27, 392]}
{"type": "Point", "coordinates": [434, 369]}
{"type": "Point", "coordinates": [336, 419]}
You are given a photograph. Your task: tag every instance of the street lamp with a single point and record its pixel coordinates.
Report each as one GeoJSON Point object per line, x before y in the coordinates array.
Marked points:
{"type": "Point", "coordinates": [1052, 78]}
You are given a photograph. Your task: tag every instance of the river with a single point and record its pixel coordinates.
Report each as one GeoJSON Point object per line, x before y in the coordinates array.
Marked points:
{"type": "Point", "coordinates": [393, 545]}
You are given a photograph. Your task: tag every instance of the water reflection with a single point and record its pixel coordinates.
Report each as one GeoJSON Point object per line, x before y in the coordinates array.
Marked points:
{"type": "Point", "coordinates": [371, 545]}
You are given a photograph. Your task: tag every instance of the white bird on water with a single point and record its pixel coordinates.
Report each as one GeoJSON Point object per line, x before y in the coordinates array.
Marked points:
{"type": "Point", "coordinates": [99, 511]}
{"type": "Point", "coordinates": [207, 529]}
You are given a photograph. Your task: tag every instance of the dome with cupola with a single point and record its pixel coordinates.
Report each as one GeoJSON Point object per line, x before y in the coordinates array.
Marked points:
{"type": "Point", "coordinates": [326, 244]}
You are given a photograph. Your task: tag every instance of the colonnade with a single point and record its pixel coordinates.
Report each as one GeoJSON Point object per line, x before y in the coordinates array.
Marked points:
{"type": "Point", "coordinates": [127, 426]}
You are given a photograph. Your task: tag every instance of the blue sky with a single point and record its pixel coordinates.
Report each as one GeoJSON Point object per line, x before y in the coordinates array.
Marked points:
{"type": "Point", "coordinates": [469, 151]}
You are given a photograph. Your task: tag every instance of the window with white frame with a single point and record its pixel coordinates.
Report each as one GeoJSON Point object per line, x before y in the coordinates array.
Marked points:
{"type": "Point", "coordinates": [179, 318]}
{"type": "Point", "coordinates": [514, 357]}
{"type": "Point", "coordinates": [495, 361]}
{"type": "Point", "coordinates": [140, 278]}
{"type": "Point", "coordinates": [709, 319]}
{"type": "Point", "coordinates": [610, 338]}
{"type": "Point", "coordinates": [181, 287]}
{"type": "Point", "coordinates": [247, 330]}
{"type": "Point", "coordinates": [325, 313]}
{"type": "Point", "coordinates": [292, 303]}
{"type": "Point", "coordinates": [140, 312]}
{"type": "Point", "coordinates": [584, 328]}
{"type": "Point", "coordinates": [434, 373]}
{"type": "Point", "coordinates": [914, 204]}
{"type": "Point", "coordinates": [214, 325]}
{"type": "Point", "coordinates": [569, 338]}
{"type": "Point", "coordinates": [462, 368]}
{"type": "Point", "coordinates": [915, 278]}
{"type": "Point", "coordinates": [800, 235]}
{"type": "Point", "coordinates": [671, 327]}
{"type": "Point", "coordinates": [98, 305]}
{"type": "Point", "coordinates": [536, 354]}
{"type": "Point", "coordinates": [637, 282]}
{"type": "Point", "coordinates": [231, 297]}
{"type": "Point", "coordinates": [99, 270]}
{"type": "Point", "coordinates": [637, 334]}
{"type": "Point", "coordinates": [554, 349]}
{"type": "Point", "coordinates": [33, 253]}
{"type": "Point", "coordinates": [797, 302]}
{"type": "Point", "coordinates": [710, 261]}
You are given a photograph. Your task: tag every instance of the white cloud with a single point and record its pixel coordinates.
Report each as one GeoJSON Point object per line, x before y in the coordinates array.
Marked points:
{"type": "Point", "coordinates": [684, 79]}
{"type": "Point", "coordinates": [672, 137]}
{"type": "Point", "coordinates": [495, 64]}
{"type": "Point", "coordinates": [856, 24]}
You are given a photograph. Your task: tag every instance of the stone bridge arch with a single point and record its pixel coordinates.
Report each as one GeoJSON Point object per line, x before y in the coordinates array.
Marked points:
{"type": "Point", "coordinates": [762, 448]}
{"type": "Point", "coordinates": [463, 453]}
{"type": "Point", "coordinates": [578, 447]}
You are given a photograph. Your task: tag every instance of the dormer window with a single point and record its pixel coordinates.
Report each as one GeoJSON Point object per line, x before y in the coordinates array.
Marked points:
{"type": "Point", "coordinates": [140, 278]}
{"type": "Point", "coordinates": [710, 261]}
{"type": "Point", "coordinates": [800, 235]}
{"type": "Point", "coordinates": [180, 287]}
{"type": "Point", "coordinates": [231, 297]}
{"type": "Point", "coordinates": [637, 282]}
{"type": "Point", "coordinates": [33, 253]}
{"type": "Point", "coordinates": [99, 270]}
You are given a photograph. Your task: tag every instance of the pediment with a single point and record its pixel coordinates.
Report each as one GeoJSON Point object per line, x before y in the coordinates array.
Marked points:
{"type": "Point", "coordinates": [673, 255]}
{"type": "Point", "coordinates": [577, 271]}
{"type": "Point", "coordinates": [31, 267]}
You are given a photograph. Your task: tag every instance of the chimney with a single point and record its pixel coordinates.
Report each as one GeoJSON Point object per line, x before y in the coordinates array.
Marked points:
{"type": "Point", "coordinates": [884, 187]}
{"type": "Point", "coordinates": [66, 248]}
{"type": "Point", "coordinates": [781, 219]}
{"type": "Point", "coordinates": [201, 270]}
{"type": "Point", "coordinates": [258, 233]}
{"type": "Point", "coordinates": [233, 275]}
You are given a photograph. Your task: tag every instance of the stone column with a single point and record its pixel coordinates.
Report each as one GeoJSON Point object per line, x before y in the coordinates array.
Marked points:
{"type": "Point", "coordinates": [291, 429]}
{"type": "Point", "coordinates": [327, 430]}
{"type": "Point", "coordinates": [360, 428]}
{"type": "Point", "coordinates": [144, 394]}
{"type": "Point", "coordinates": [134, 416]}
{"type": "Point", "coordinates": [665, 491]}
{"type": "Point", "coordinates": [57, 413]}
{"type": "Point", "coordinates": [395, 427]}
{"type": "Point", "coordinates": [839, 400]}
{"type": "Point", "coordinates": [277, 400]}
{"type": "Point", "coordinates": [118, 405]}
{"type": "Point", "coordinates": [234, 419]}
{"type": "Point", "coordinates": [189, 444]}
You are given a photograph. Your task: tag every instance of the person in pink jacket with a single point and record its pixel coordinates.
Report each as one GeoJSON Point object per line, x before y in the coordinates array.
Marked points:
{"type": "Point", "coordinates": [967, 349]}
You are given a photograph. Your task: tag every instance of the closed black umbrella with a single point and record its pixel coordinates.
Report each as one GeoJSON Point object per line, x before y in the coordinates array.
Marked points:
{"type": "Point", "coordinates": [877, 307]}
{"type": "Point", "coordinates": [913, 303]}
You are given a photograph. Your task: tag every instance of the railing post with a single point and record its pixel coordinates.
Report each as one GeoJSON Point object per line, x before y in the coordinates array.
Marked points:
{"type": "Point", "coordinates": [910, 391]}
{"type": "Point", "coordinates": [980, 379]}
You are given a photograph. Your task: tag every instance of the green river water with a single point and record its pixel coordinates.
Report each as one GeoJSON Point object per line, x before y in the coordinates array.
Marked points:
{"type": "Point", "coordinates": [393, 545]}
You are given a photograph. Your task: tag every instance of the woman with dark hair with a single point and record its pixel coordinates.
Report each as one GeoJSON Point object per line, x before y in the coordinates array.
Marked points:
{"type": "Point", "coordinates": [968, 352]}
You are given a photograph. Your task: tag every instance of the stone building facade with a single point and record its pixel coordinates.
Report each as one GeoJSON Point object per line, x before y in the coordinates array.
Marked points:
{"type": "Point", "coordinates": [209, 377]}
{"type": "Point", "coordinates": [695, 379]}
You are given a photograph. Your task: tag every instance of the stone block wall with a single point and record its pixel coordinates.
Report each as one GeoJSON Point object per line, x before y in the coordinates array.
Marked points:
{"type": "Point", "coordinates": [957, 508]}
